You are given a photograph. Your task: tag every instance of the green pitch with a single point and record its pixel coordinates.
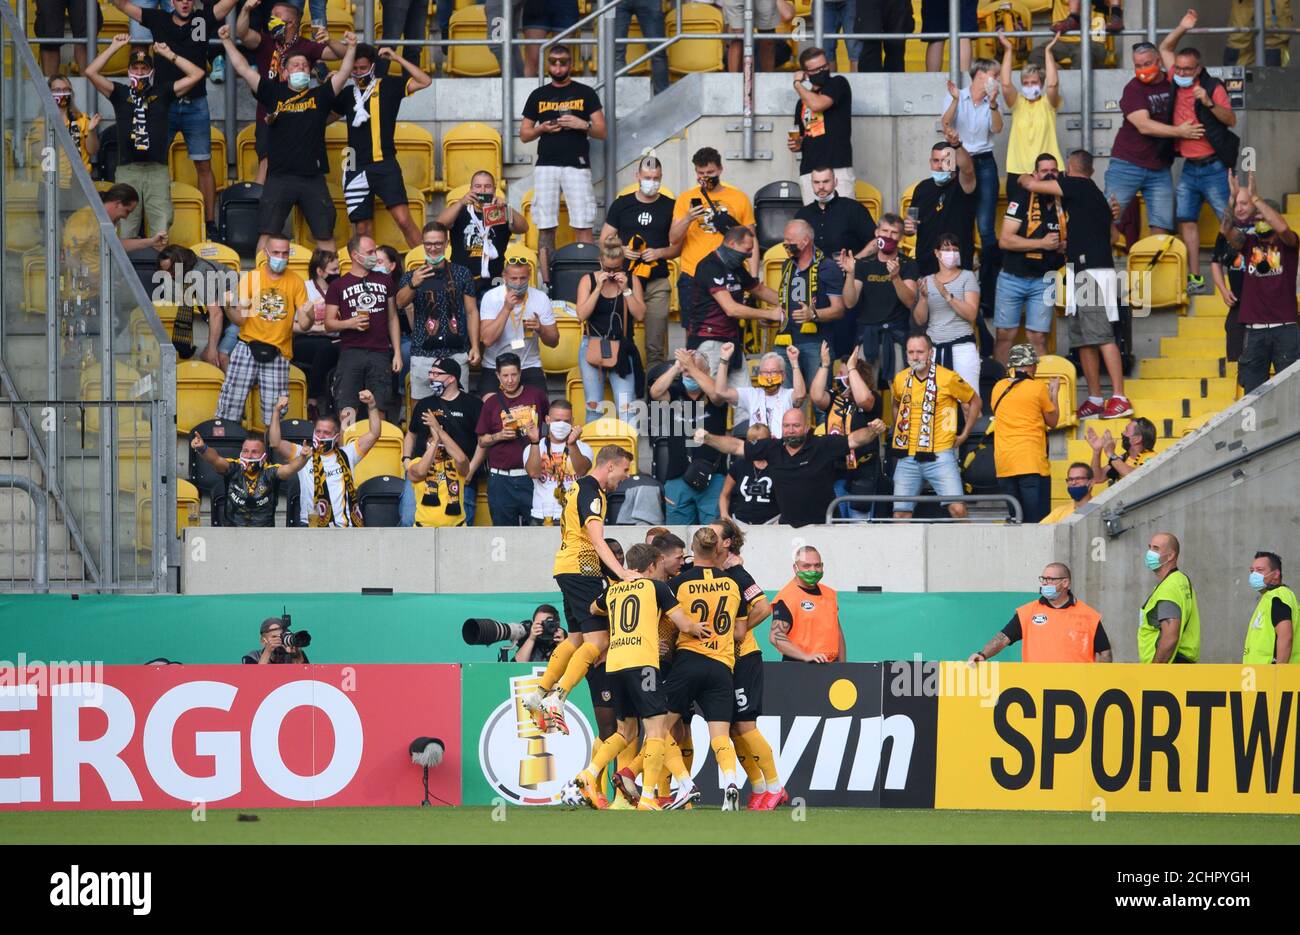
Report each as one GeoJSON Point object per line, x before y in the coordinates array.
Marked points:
{"type": "Point", "coordinates": [537, 825]}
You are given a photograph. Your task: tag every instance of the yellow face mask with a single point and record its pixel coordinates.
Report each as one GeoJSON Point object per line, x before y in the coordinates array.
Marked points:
{"type": "Point", "coordinates": [769, 379]}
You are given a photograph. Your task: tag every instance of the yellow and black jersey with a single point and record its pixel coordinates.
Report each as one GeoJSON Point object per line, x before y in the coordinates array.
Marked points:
{"type": "Point", "coordinates": [577, 556]}
{"type": "Point", "coordinates": [711, 596]}
{"type": "Point", "coordinates": [635, 609]}
{"type": "Point", "coordinates": [751, 592]}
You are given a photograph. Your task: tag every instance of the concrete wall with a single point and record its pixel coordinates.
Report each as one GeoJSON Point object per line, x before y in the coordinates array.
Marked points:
{"type": "Point", "coordinates": [1221, 521]}
{"type": "Point", "coordinates": [894, 558]}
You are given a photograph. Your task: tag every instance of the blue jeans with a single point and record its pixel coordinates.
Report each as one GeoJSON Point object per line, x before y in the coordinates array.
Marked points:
{"type": "Point", "coordinates": [229, 338]}
{"type": "Point", "coordinates": [189, 117]}
{"type": "Point", "coordinates": [137, 32]}
{"type": "Point", "coordinates": [593, 385]}
{"type": "Point", "coordinates": [834, 17]}
{"type": "Point", "coordinates": [685, 506]}
{"type": "Point", "coordinates": [1034, 492]}
{"type": "Point", "coordinates": [650, 17]}
{"type": "Point", "coordinates": [878, 343]}
{"type": "Point", "coordinates": [1023, 293]}
{"type": "Point", "coordinates": [847, 510]}
{"type": "Point", "coordinates": [986, 209]}
{"type": "Point", "coordinates": [445, 9]}
{"type": "Point", "coordinates": [810, 358]}
{"type": "Point", "coordinates": [510, 500]}
{"type": "Point", "coordinates": [943, 474]}
{"type": "Point", "coordinates": [1124, 180]}
{"type": "Point", "coordinates": [318, 8]}
{"type": "Point", "coordinates": [406, 506]}
{"type": "Point", "coordinates": [1199, 184]}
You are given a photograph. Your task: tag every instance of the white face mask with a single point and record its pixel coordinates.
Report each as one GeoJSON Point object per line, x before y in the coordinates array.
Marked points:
{"type": "Point", "coordinates": [650, 187]}
{"type": "Point", "coordinates": [560, 430]}
{"type": "Point", "coordinates": [1031, 92]}
{"type": "Point", "coordinates": [949, 258]}
{"type": "Point", "coordinates": [822, 199]}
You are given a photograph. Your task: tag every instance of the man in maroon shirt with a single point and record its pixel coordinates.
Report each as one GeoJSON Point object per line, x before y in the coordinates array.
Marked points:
{"type": "Point", "coordinates": [1268, 301]}
{"type": "Point", "coordinates": [360, 306]}
{"type": "Point", "coordinates": [506, 425]}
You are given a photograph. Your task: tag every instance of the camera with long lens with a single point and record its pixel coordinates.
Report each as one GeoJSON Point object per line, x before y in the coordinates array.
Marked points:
{"type": "Point", "coordinates": [292, 640]}
{"type": "Point", "coordinates": [478, 631]}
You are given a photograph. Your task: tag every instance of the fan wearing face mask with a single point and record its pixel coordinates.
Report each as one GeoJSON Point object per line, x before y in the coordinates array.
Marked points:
{"type": "Point", "coordinates": [437, 299]}
{"type": "Point", "coordinates": [457, 414]}
{"type": "Point", "coordinates": [250, 486]}
{"type": "Point", "coordinates": [478, 243]}
{"type": "Point", "coordinates": [80, 127]}
{"type": "Point", "coordinates": [1079, 485]}
{"type": "Point", "coordinates": [140, 108]}
{"type": "Point", "coordinates": [822, 115]}
{"type": "Point", "coordinates": [1034, 105]}
{"type": "Point", "coordinates": [1057, 627]}
{"type": "Point", "coordinates": [1270, 635]}
{"type": "Point", "coordinates": [944, 203]}
{"type": "Point", "coordinates": [327, 490]}
{"type": "Point", "coordinates": [839, 223]}
{"type": "Point", "coordinates": [555, 458]}
{"type": "Point", "coordinates": [947, 304]}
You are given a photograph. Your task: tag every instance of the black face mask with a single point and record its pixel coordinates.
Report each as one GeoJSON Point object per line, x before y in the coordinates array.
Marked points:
{"type": "Point", "coordinates": [330, 277]}
{"type": "Point", "coordinates": [791, 249]}
{"type": "Point", "coordinates": [731, 258]}
{"type": "Point", "coordinates": [819, 78]}
{"type": "Point", "coordinates": [708, 184]}
{"type": "Point", "coordinates": [794, 441]}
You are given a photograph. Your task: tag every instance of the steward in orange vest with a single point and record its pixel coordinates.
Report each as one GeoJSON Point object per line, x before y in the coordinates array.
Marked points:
{"type": "Point", "coordinates": [806, 615]}
{"type": "Point", "coordinates": [1055, 628]}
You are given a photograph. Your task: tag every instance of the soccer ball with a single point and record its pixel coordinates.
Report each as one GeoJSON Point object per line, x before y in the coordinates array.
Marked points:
{"type": "Point", "coordinates": [571, 796]}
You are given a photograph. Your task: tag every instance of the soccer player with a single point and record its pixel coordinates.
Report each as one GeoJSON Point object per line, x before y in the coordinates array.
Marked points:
{"type": "Point", "coordinates": [636, 610]}
{"type": "Point", "coordinates": [702, 667]}
{"type": "Point", "coordinates": [752, 748]}
{"type": "Point", "coordinates": [579, 576]}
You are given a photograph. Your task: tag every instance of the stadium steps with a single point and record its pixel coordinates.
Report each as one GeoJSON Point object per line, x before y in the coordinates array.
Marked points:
{"type": "Point", "coordinates": [18, 517]}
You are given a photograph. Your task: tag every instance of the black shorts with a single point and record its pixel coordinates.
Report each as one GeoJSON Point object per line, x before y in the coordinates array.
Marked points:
{"type": "Point", "coordinates": [261, 138]}
{"type": "Point", "coordinates": [49, 19]}
{"type": "Point", "coordinates": [360, 368]}
{"type": "Point", "coordinates": [362, 185]}
{"type": "Point", "coordinates": [579, 591]}
{"type": "Point", "coordinates": [748, 688]}
{"type": "Point", "coordinates": [312, 197]}
{"type": "Point", "coordinates": [697, 681]}
{"type": "Point", "coordinates": [599, 683]}
{"type": "Point", "coordinates": [631, 697]}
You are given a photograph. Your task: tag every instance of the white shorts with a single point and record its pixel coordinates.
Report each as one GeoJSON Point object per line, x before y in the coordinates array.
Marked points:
{"type": "Point", "coordinates": [845, 184]}
{"type": "Point", "coordinates": [548, 181]}
{"type": "Point", "coordinates": [766, 16]}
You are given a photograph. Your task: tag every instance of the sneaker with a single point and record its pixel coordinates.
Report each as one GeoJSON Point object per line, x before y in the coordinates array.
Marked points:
{"type": "Point", "coordinates": [1117, 407]}
{"type": "Point", "coordinates": [755, 803]}
{"type": "Point", "coordinates": [684, 797]}
{"type": "Point", "coordinates": [1089, 410]}
{"type": "Point", "coordinates": [661, 803]}
{"type": "Point", "coordinates": [772, 800]}
{"type": "Point", "coordinates": [533, 705]}
{"type": "Point", "coordinates": [647, 804]}
{"type": "Point", "coordinates": [1069, 24]}
{"type": "Point", "coordinates": [1115, 23]}
{"type": "Point", "coordinates": [731, 799]}
{"type": "Point", "coordinates": [218, 74]}
{"type": "Point", "coordinates": [625, 782]}
{"type": "Point", "coordinates": [553, 709]}
{"type": "Point", "coordinates": [591, 790]}
{"type": "Point", "coordinates": [1196, 285]}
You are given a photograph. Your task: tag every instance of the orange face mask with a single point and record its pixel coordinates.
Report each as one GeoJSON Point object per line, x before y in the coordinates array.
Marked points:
{"type": "Point", "coordinates": [1147, 75]}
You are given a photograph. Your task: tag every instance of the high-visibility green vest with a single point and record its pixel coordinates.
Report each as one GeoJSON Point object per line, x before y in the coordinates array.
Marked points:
{"type": "Point", "coordinates": [1177, 589]}
{"type": "Point", "coordinates": [1261, 638]}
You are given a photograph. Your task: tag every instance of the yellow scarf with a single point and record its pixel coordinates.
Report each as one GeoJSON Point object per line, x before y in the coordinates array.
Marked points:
{"type": "Point", "coordinates": [323, 512]}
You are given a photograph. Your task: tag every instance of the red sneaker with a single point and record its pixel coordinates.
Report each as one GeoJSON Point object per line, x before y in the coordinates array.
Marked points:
{"type": "Point", "coordinates": [772, 800]}
{"type": "Point", "coordinates": [627, 784]}
{"type": "Point", "coordinates": [1088, 410]}
{"type": "Point", "coordinates": [1117, 407]}
{"type": "Point", "coordinates": [663, 801]}
{"type": "Point", "coordinates": [756, 800]}
{"type": "Point", "coordinates": [1115, 23]}
{"type": "Point", "coordinates": [1070, 24]}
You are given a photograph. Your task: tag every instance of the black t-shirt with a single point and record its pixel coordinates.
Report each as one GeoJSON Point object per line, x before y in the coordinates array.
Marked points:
{"type": "Point", "coordinates": [1013, 632]}
{"type": "Point", "coordinates": [754, 498]}
{"type": "Point", "coordinates": [685, 416]}
{"type": "Point", "coordinates": [805, 480]}
{"type": "Point", "coordinates": [568, 147]}
{"type": "Point", "coordinates": [382, 103]}
{"type": "Point", "coordinates": [610, 318]}
{"type": "Point", "coordinates": [840, 224]}
{"type": "Point", "coordinates": [1234, 265]}
{"type": "Point", "coordinates": [708, 320]}
{"type": "Point", "coordinates": [878, 301]}
{"type": "Point", "coordinates": [467, 247]}
{"type": "Point", "coordinates": [943, 209]}
{"type": "Point", "coordinates": [142, 122]}
{"type": "Point", "coordinates": [458, 417]}
{"type": "Point", "coordinates": [843, 417]}
{"type": "Point", "coordinates": [1037, 217]}
{"type": "Point", "coordinates": [250, 504]}
{"type": "Point", "coordinates": [297, 119]}
{"type": "Point", "coordinates": [1088, 224]}
{"type": "Point", "coordinates": [189, 41]}
{"type": "Point", "coordinates": [827, 136]}
{"type": "Point", "coordinates": [633, 218]}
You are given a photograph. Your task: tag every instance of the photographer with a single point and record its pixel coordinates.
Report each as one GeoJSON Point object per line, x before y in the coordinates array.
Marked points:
{"type": "Point", "coordinates": [543, 636]}
{"type": "Point", "coordinates": [274, 651]}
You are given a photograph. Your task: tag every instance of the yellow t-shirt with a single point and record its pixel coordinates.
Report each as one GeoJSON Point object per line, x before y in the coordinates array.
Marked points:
{"type": "Point", "coordinates": [711, 596]}
{"type": "Point", "coordinates": [636, 611]}
{"type": "Point", "coordinates": [442, 489]}
{"type": "Point", "coordinates": [702, 237]}
{"type": "Point", "coordinates": [1033, 132]}
{"type": "Point", "coordinates": [81, 240]}
{"type": "Point", "coordinates": [577, 556]}
{"type": "Point", "coordinates": [273, 301]}
{"type": "Point", "coordinates": [952, 389]}
{"type": "Point", "coordinates": [1019, 432]}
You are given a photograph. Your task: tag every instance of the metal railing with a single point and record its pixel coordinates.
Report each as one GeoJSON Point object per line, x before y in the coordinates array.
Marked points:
{"type": "Point", "coordinates": [1013, 507]}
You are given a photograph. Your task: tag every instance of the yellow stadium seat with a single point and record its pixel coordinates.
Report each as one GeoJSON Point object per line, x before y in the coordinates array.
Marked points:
{"type": "Point", "coordinates": [187, 505]}
{"type": "Point", "coordinates": [386, 230]}
{"type": "Point", "coordinates": [299, 259]}
{"type": "Point", "coordinates": [674, 303]}
{"type": "Point", "coordinates": [217, 253]}
{"type": "Point", "coordinates": [1069, 43]}
{"type": "Point", "coordinates": [1209, 228]}
{"type": "Point", "coordinates": [34, 281]}
{"type": "Point", "coordinates": [246, 153]}
{"type": "Point", "coordinates": [336, 141]}
{"type": "Point", "coordinates": [1011, 16]}
{"type": "Point", "coordinates": [297, 402]}
{"type": "Point", "coordinates": [482, 515]}
{"type": "Point", "coordinates": [563, 232]}
{"type": "Point", "coordinates": [914, 50]}
{"type": "Point", "coordinates": [638, 338]}
{"type": "Point", "coordinates": [414, 149]}
{"type": "Point", "coordinates": [23, 215]}
{"type": "Point", "coordinates": [386, 455]}
{"type": "Point", "coordinates": [610, 431]}
{"type": "Point", "coordinates": [345, 261]}
{"type": "Point", "coordinates": [1049, 366]}
{"type": "Point", "coordinates": [518, 250]}
{"type": "Point", "coordinates": [470, 61]}
{"type": "Point", "coordinates": [563, 356]}
{"type": "Point", "coordinates": [187, 216]}
{"type": "Point", "coordinates": [773, 257]}
{"type": "Point", "coordinates": [695, 55]}
{"type": "Point", "coordinates": [1157, 274]}
{"type": "Point", "coordinates": [577, 397]}
{"type": "Point", "coordinates": [182, 169]}
{"type": "Point", "coordinates": [198, 386]}
{"type": "Point", "coordinates": [869, 197]}
{"type": "Point", "coordinates": [468, 148]}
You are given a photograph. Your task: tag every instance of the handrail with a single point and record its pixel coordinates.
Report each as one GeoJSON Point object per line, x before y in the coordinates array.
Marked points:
{"type": "Point", "coordinates": [41, 564]}
{"type": "Point", "coordinates": [1012, 503]}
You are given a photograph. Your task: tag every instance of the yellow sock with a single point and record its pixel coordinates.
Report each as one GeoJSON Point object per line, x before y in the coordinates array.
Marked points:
{"type": "Point", "coordinates": [674, 762]}
{"type": "Point", "coordinates": [637, 763]}
{"type": "Point", "coordinates": [576, 671]}
{"type": "Point", "coordinates": [725, 754]}
{"type": "Point", "coordinates": [555, 667]}
{"type": "Point", "coordinates": [749, 763]}
{"type": "Point", "coordinates": [629, 755]}
{"type": "Point", "coordinates": [654, 764]}
{"type": "Point", "coordinates": [762, 751]}
{"type": "Point", "coordinates": [605, 752]}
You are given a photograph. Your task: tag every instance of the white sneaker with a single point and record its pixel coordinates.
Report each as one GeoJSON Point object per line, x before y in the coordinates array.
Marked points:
{"type": "Point", "coordinates": [686, 794]}
{"type": "Point", "coordinates": [731, 799]}
{"type": "Point", "coordinates": [553, 711]}
{"type": "Point", "coordinates": [533, 705]}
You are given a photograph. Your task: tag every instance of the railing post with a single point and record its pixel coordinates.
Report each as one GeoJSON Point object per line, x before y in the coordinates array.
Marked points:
{"type": "Point", "coordinates": [107, 456]}
{"type": "Point", "coordinates": [230, 91]}
{"type": "Point", "coordinates": [954, 43]}
{"type": "Point", "coordinates": [1085, 75]}
{"type": "Point", "coordinates": [1259, 33]}
{"type": "Point", "coordinates": [605, 42]}
{"type": "Point", "coordinates": [507, 86]}
{"type": "Point", "coordinates": [53, 264]}
{"type": "Point", "coordinates": [368, 21]}
{"type": "Point", "coordinates": [1151, 21]}
{"type": "Point", "coordinates": [819, 23]}
{"type": "Point", "coordinates": [92, 46]}
{"type": "Point", "coordinates": [747, 87]}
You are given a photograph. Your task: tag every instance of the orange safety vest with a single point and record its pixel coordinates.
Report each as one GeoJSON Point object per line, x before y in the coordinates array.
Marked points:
{"type": "Point", "coordinates": [1057, 634]}
{"type": "Point", "coordinates": [815, 626]}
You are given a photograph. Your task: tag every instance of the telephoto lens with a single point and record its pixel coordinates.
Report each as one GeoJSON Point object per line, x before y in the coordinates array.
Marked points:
{"type": "Point", "coordinates": [482, 632]}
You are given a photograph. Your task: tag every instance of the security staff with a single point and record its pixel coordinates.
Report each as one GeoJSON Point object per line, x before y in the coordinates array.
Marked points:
{"type": "Point", "coordinates": [1055, 628]}
{"type": "Point", "coordinates": [806, 615]}
{"type": "Point", "coordinates": [1270, 635]}
{"type": "Point", "coordinates": [1169, 629]}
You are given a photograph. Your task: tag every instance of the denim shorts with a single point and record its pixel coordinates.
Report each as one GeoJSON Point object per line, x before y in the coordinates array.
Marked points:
{"type": "Point", "coordinates": [1124, 180]}
{"type": "Point", "coordinates": [229, 338]}
{"type": "Point", "coordinates": [1200, 184]}
{"type": "Point", "coordinates": [189, 117]}
{"type": "Point", "coordinates": [1029, 293]}
{"type": "Point", "coordinates": [943, 474]}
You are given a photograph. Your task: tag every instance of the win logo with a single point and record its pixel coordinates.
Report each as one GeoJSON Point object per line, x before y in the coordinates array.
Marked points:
{"type": "Point", "coordinates": [76, 888]}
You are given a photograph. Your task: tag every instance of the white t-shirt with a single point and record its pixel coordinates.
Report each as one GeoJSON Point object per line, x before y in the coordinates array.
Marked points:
{"type": "Point", "coordinates": [513, 340]}
{"type": "Point", "coordinates": [333, 483]}
{"type": "Point", "coordinates": [557, 466]}
{"type": "Point", "coordinates": [764, 409]}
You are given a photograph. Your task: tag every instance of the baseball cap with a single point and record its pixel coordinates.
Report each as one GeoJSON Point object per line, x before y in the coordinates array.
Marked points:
{"type": "Point", "coordinates": [446, 365]}
{"type": "Point", "coordinates": [140, 56]}
{"type": "Point", "coordinates": [270, 622]}
{"type": "Point", "coordinates": [1022, 355]}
